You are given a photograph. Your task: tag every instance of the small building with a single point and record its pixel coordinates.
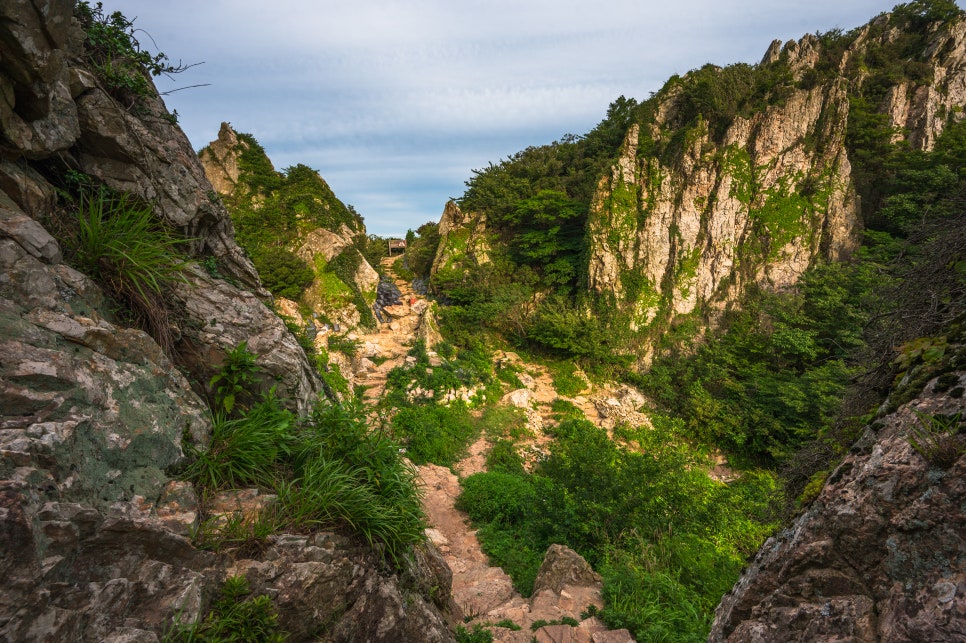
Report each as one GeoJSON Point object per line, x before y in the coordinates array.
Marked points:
{"type": "Point", "coordinates": [397, 244]}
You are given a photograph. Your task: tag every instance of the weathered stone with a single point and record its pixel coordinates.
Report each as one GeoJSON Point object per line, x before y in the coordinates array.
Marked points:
{"type": "Point", "coordinates": [561, 567]}
{"type": "Point", "coordinates": [462, 240]}
{"type": "Point", "coordinates": [877, 556]}
{"type": "Point", "coordinates": [29, 234]}
{"type": "Point", "coordinates": [153, 159]}
{"type": "Point", "coordinates": [521, 398]}
{"type": "Point", "coordinates": [222, 317]}
{"type": "Point", "coordinates": [220, 160]}
{"type": "Point", "coordinates": [93, 414]}
{"type": "Point", "coordinates": [384, 612]}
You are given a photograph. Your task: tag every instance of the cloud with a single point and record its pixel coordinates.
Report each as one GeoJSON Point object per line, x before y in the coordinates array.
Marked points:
{"type": "Point", "coordinates": [396, 101]}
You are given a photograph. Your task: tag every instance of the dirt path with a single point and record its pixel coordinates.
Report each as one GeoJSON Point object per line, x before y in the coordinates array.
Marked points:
{"type": "Point", "coordinates": [485, 594]}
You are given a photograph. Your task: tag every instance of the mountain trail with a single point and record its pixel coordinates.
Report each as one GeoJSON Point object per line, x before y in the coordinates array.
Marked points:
{"type": "Point", "coordinates": [483, 593]}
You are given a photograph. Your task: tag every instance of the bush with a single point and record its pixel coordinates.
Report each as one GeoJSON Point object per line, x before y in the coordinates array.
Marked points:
{"type": "Point", "coordinates": [329, 471]}
{"type": "Point", "coordinates": [566, 380]}
{"type": "Point", "coordinates": [504, 458]}
{"type": "Point", "coordinates": [436, 434]}
{"type": "Point", "coordinates": [282, 272]}
{"type": "Point", "coordinates": [116, 56]}
{"type": "Point", "coordinates": [245, 450]}
{"type": "Point", "coordinates": [494, 496]}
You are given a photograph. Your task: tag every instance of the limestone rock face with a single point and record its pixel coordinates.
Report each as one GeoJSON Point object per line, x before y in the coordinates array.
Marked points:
{"type": "Point", "coordinates": [462, 241]}
{"type": "Point", "coordinates": [220, 160]}
{"type": "Point", "coordinates": [332, 294]}
{"type": "Point", "coordinates": [877, 556]}
{"type": "Point", "coordinates": [691, 234]}
{"type": "Point", "coordinates": [758, 204]}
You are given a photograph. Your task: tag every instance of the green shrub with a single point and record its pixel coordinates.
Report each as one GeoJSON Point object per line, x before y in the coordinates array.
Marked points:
{"type": "Point", "coordinates": [437, 434]}
{"type": "Point", "coordinates": [245, 450]}
{"type": "Point", "coordinates": [235, 380]}
{"type": "Point", "coordinates": [651, 601]}
{"type": "Point", "coordinates": [565, 409]}
{"type": "Point", "coordinates": [502, 421]}
{"type": "Point", "coordinates": [382, 502]}
{"type": "Point", "coordinates": [939, 438]}
{"type": "Point", "coordinates": [503, 457]}
{"type": "Point", "coordinates": [566, 381]}
{"type": "Point", "coordinates": [342, 343]}
{"type": "Point", "coordinates": [282, 272]}
{"type": "Point", "coordinates": [494, 496]}
{"type": "Point", "coordinates": [478, 634]}
{"type": "Point", "coordinates": [116, 56]}
{"type": "Point", "coordinates": [331, 470]}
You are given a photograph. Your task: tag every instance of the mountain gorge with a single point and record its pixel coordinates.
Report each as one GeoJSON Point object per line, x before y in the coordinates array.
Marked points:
{"type": "Point", "coordinates": [714, 344]}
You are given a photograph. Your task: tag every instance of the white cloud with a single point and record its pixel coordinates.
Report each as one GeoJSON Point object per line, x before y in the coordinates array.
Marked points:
{"type": "Point", "coordinates": [395, 101]}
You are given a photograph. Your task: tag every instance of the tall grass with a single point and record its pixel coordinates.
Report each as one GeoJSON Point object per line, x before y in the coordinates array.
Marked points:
{"type": "Point", "coordinates": [328, 471]}
{"type": "Point", "coordinates": [119, 242]}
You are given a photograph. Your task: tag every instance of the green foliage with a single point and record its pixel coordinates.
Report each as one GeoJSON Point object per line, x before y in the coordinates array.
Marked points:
{"type": "Point", "coordinates": [380, 498]}
{"type": "Point", "coordinates": [236, 616]}
{"type": "Point", "coordinates": [568, 330]}
{"type": "Point", "coordinates": [716, 95]}
{"type": "Point", "coordinates": [421, 248]}
{"type": "Point", "coordinates": [274, 211]}
{"type": "Point", "coordinates": [778, 367]}
{"type": "Point", "coordinates": [234, 381]}
{"type": "Point", "coordinates": [283, 272]}
{"type": "Point", "coordinates": [116, 56]}
{"type": "Point", "coordinates": [244, 450]}
{"type": "Point", "coordinates": [372, 248]}
{"type": "Point", "coordinates": [503, 457]}
{"type": "Point", "coordinates": [621, 506]}
{"type": "Point", "coordinates": [478, 634]}
{"type": "Point", "coordinates": [939, 439]}
{"type": "Point", "coordinates": [549, 237]}
{"type": "Point", "coordinates": [342, 343]}
{"type": "Point", "coordinates": [566, 620]}
{"type": "Point", "coordinates": [566, 380]}
{"type": "Point", "coordinates": [495, 496]}
{"type": "Point", "coordinates": [328, 470]}
{"type": "Point", "coordinates": [437, 434]}
{"type": "Point", "coordinates": [118, 241]}
{"type": "Point", "coordinates": [344, 266]}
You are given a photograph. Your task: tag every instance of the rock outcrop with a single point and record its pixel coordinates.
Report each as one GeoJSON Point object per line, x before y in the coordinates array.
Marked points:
{"type": "Point", "coordinates": [95, 415]}
{"type": "Point", "coordinates": [462, 242]}
{"type": "Point", "coordinates": [879, 555]}
{"type": "Point", "coordinates": [335, 297]}
{"type": "Point", "coordinates": [762, 200]}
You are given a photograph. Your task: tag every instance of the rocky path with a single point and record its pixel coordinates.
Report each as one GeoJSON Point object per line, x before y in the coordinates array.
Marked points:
{"type": "Point", "coordinates": [393, 339]}
{"type": "Point", "coordinates": [483, 593]}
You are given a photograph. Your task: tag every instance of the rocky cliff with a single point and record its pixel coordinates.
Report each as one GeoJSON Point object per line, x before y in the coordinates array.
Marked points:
{"type": "Point", "coordinates": [462, 241]}
{"type": "Point", "coordinates": [696, 208]}
{"type": "Point", "coordinates": [879, 555]}
{"type": "Point", "coordinates": [95, 416]}
{"type": "Point", "coordinates": [325, 235]}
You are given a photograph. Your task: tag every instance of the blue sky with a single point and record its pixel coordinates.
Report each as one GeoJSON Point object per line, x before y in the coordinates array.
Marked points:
{"type": "Point", "coordinates": [396, 102]}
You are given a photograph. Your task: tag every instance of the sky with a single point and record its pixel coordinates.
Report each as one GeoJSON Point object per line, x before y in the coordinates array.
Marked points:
{"type": "Point", "coordinates": [396, 102]}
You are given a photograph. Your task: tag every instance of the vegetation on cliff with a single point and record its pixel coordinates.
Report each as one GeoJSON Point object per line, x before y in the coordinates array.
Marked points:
{"type": "Point", "coordinates": [781, 380]}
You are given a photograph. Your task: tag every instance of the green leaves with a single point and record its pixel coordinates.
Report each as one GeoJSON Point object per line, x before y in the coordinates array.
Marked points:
{"type": "Point", "coordinates": [115, 54]}
{"type": "Point", "coordinates": [235, 380]}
